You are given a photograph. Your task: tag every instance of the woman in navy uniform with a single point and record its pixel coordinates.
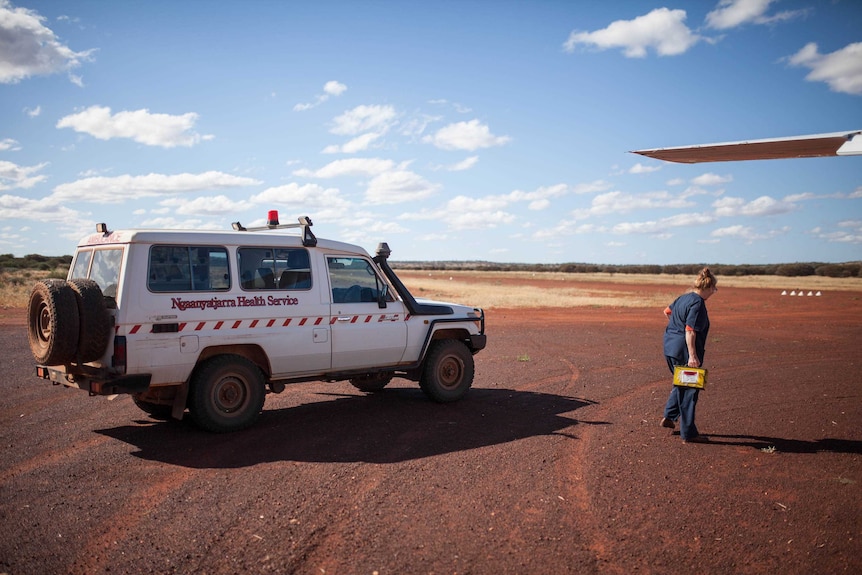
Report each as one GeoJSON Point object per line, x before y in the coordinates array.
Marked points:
{"type": "Point", "coordinates": [684, 344]}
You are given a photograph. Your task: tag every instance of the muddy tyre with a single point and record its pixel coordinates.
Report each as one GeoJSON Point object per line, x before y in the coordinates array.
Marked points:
{"type": "Point", "coordinates": [372, 382]}
{"type": "Point", "coordinates": [93, 320]}
{"type": "Point", "coordinates": [448, 371]}
{"type": "Point", "coordinates": [227, 394]}
{"type": "Point", "coordinates": [52, 322]}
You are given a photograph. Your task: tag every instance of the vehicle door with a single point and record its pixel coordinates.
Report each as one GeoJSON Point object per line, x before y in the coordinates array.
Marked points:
{"type": "Point", "coordinates": [363, 333]}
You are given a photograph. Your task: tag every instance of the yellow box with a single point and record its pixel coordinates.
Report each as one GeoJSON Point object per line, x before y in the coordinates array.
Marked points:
{"type": "Point", "coordinates": [684, 376]}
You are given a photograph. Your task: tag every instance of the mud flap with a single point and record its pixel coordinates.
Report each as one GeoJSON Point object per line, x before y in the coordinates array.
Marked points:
{"type": "Point", "coordinates": [179, 407]}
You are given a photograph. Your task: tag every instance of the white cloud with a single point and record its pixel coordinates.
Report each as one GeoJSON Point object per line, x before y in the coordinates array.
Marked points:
{"type": "Point", "coordinates": [9, 145]}
{"type": "Point", "coordinates": [15, 176]}
{"type": "Point", "coordinates": [746, 233]}
{"type": "Point", "coordinates": [464, 164]}
{"type": "Point", "coordinates": [399, 186]}
{"type": "Point", "coordinates": [348, 167]}
{"type": "Point", "coordinates": [205, 206]}
{"type": "Point", "coordinates": [663, 30]}
{"type": "Point", "coordinates": [357, 144]}
{"type": "Point", "coordinates": [33, 112]}
{"type": "Point", "coordinates": [139, 125]}
{"type": "Point", "coordinates": [663, 226]}
{"type": "Point", "coordinates": [334, 88]}
{"type": "Point", "coordinates": [591, 187]}
{"type": "Point", "coordinates": [618, 202]}
{"type": "Point", "coordinates": [326, 203]}
{"type": "Point", "coordinates": [363, 119]}
{"type": "Point", "coordinates": [841, 70]}
{"type": "Point", "coordinates": [331, 88]}
{"type": "Point", "coordinates": [538, 199]}
{"type": "Point", "coordinates": [468, 136]}
{"type": "Point", "coordinates": [43, 210]}
{"type": "Point", "coordinates": [121, 188]}
{"type": "Point", "coordinates": [733, 13]}
{"type": "Point", "coordinates": [641, 169]}
{"type": "Point", "coordinates": [850, 234]}
{"type": "Point", "coordinates": [762, 206]}
{"type": "Point", "coordinates": [28, 48]}
{"type": "Point", "coordinates": [710, 179]}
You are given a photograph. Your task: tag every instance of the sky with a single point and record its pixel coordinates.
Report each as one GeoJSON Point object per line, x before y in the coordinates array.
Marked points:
{"type": "Point", "coordinates": [453, 130]}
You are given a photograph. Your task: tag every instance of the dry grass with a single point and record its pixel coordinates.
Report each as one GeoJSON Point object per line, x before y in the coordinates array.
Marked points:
{"type": "Point", "coordinates": [541, 290]}
{"type": "Point", "coordinates": [15, 285]}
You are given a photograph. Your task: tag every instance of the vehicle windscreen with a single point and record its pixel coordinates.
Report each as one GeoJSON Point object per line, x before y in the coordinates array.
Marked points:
{"type": "Point", "coordinates": [101, 266]}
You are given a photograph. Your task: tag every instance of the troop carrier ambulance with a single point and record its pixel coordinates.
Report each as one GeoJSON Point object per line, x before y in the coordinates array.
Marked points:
{"type": "Point", "coordinates": [210, 322]}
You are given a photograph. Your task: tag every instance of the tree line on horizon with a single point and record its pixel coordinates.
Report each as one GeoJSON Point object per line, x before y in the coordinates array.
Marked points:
{"type": "Point", "coordinates": [796, 269]}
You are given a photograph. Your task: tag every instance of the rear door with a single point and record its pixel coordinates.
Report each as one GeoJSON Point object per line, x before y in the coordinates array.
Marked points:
{"type": "Point", "coordinates": [363, 334]}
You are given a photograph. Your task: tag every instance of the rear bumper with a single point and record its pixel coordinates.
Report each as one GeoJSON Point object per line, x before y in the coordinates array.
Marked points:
{"type": "Point", "coordinates": [96, 383]}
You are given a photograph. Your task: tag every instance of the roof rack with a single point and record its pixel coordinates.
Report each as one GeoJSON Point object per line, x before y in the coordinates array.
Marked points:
{"type": "Point", "coordinates": [304, 222]}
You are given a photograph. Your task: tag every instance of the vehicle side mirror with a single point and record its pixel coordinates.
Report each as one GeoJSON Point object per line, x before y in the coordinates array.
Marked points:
{"type": "Point", "coordinates": [382, 296]}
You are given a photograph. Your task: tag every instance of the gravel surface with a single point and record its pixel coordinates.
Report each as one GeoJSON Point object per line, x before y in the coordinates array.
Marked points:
{"type": "Point", "coordinates": [554, 463]}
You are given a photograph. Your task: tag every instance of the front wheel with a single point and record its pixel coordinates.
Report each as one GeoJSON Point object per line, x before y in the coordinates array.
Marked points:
{"type": "Point", "coordinates": [227, 394]}
{"type": "Point", "coordinates": [448, 371]}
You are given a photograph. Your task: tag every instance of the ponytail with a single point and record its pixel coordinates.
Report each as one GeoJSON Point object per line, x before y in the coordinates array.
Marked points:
{"type": "Point", "coordinates": [705, 280]}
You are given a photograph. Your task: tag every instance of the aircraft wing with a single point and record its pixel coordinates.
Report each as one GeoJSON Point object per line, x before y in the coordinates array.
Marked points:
{"type": "Point", "coordinates": [818, 145]}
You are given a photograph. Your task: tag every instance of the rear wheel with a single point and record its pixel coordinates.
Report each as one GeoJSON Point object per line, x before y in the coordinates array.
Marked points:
{"type": "Point", "coordinates": [448, 371]}
{"type": "Point", "coordinates": [52, 322]}
{"type": "Point", "coordinates": [227, 394]}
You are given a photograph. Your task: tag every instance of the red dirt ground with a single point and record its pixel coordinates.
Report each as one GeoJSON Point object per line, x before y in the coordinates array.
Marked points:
{"type": "Point", "coordinates": [554, 463]}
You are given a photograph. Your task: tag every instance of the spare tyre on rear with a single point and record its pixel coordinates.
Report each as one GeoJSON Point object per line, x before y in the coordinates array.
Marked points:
{"type": "Point", "coordinates": [52, 322]}
{"type": "Point", "coordinates": [93, 319]}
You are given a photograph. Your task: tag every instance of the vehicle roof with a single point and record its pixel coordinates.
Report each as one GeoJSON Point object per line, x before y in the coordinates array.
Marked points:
{"type": "Point", "coordinates": [209, 237]}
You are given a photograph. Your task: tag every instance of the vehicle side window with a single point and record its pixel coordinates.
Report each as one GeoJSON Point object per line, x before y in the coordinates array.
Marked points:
{"type": "Point", "coordinates": [353, 280]}
{"type": "Point", "coordinates": [188, 268]}
{"type": "Point", "coordinates": [274, 268]}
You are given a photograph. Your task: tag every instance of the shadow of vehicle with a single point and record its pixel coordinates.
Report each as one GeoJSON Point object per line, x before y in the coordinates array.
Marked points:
{"type": "Point", "coordinates": [395, 425]}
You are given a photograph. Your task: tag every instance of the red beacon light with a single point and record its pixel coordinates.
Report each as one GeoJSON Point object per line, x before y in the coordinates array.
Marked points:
{"type": "Point", "coordinates": [304, 222]}
{"type": "Point", "coordinates": [272, 218]}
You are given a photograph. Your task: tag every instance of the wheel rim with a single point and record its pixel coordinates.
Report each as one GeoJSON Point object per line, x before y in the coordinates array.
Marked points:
{"type": "Point", "coordinates": [43, 323]}
{"type": "Point", "coordinates": [451, 372]}
{"type": "Point", "coordinates": [230, 394]}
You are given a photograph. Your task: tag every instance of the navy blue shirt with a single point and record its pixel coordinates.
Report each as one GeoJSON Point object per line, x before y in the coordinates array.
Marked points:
{"type": "Point", "coordinates": [689, 310]}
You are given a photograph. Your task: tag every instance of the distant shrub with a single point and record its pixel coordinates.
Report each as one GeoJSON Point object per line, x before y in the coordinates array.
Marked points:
{"type": "Point", "coordinates": [795, 270]}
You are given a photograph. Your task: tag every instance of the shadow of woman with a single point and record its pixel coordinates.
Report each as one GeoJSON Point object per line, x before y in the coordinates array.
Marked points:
{"type": "Point", "coordinates": [790, 445]}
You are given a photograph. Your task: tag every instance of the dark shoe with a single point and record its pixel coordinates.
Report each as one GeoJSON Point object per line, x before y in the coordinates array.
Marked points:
{"type": "Point", "coordinates": [697, 439]}
{"type": "Point", "coordinates": [665, 422]}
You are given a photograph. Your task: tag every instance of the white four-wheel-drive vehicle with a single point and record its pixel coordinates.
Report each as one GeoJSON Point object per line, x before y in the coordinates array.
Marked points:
{"type": "Point", "coordinates": [212, 321]}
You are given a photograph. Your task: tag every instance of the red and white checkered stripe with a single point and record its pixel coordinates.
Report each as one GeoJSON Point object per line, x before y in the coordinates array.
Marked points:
{"type": "Point", "coordinates": [228, 325]}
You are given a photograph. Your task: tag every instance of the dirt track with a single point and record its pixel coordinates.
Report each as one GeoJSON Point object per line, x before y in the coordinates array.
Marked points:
{"type": "Point", "coordinates": [553, 464]}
